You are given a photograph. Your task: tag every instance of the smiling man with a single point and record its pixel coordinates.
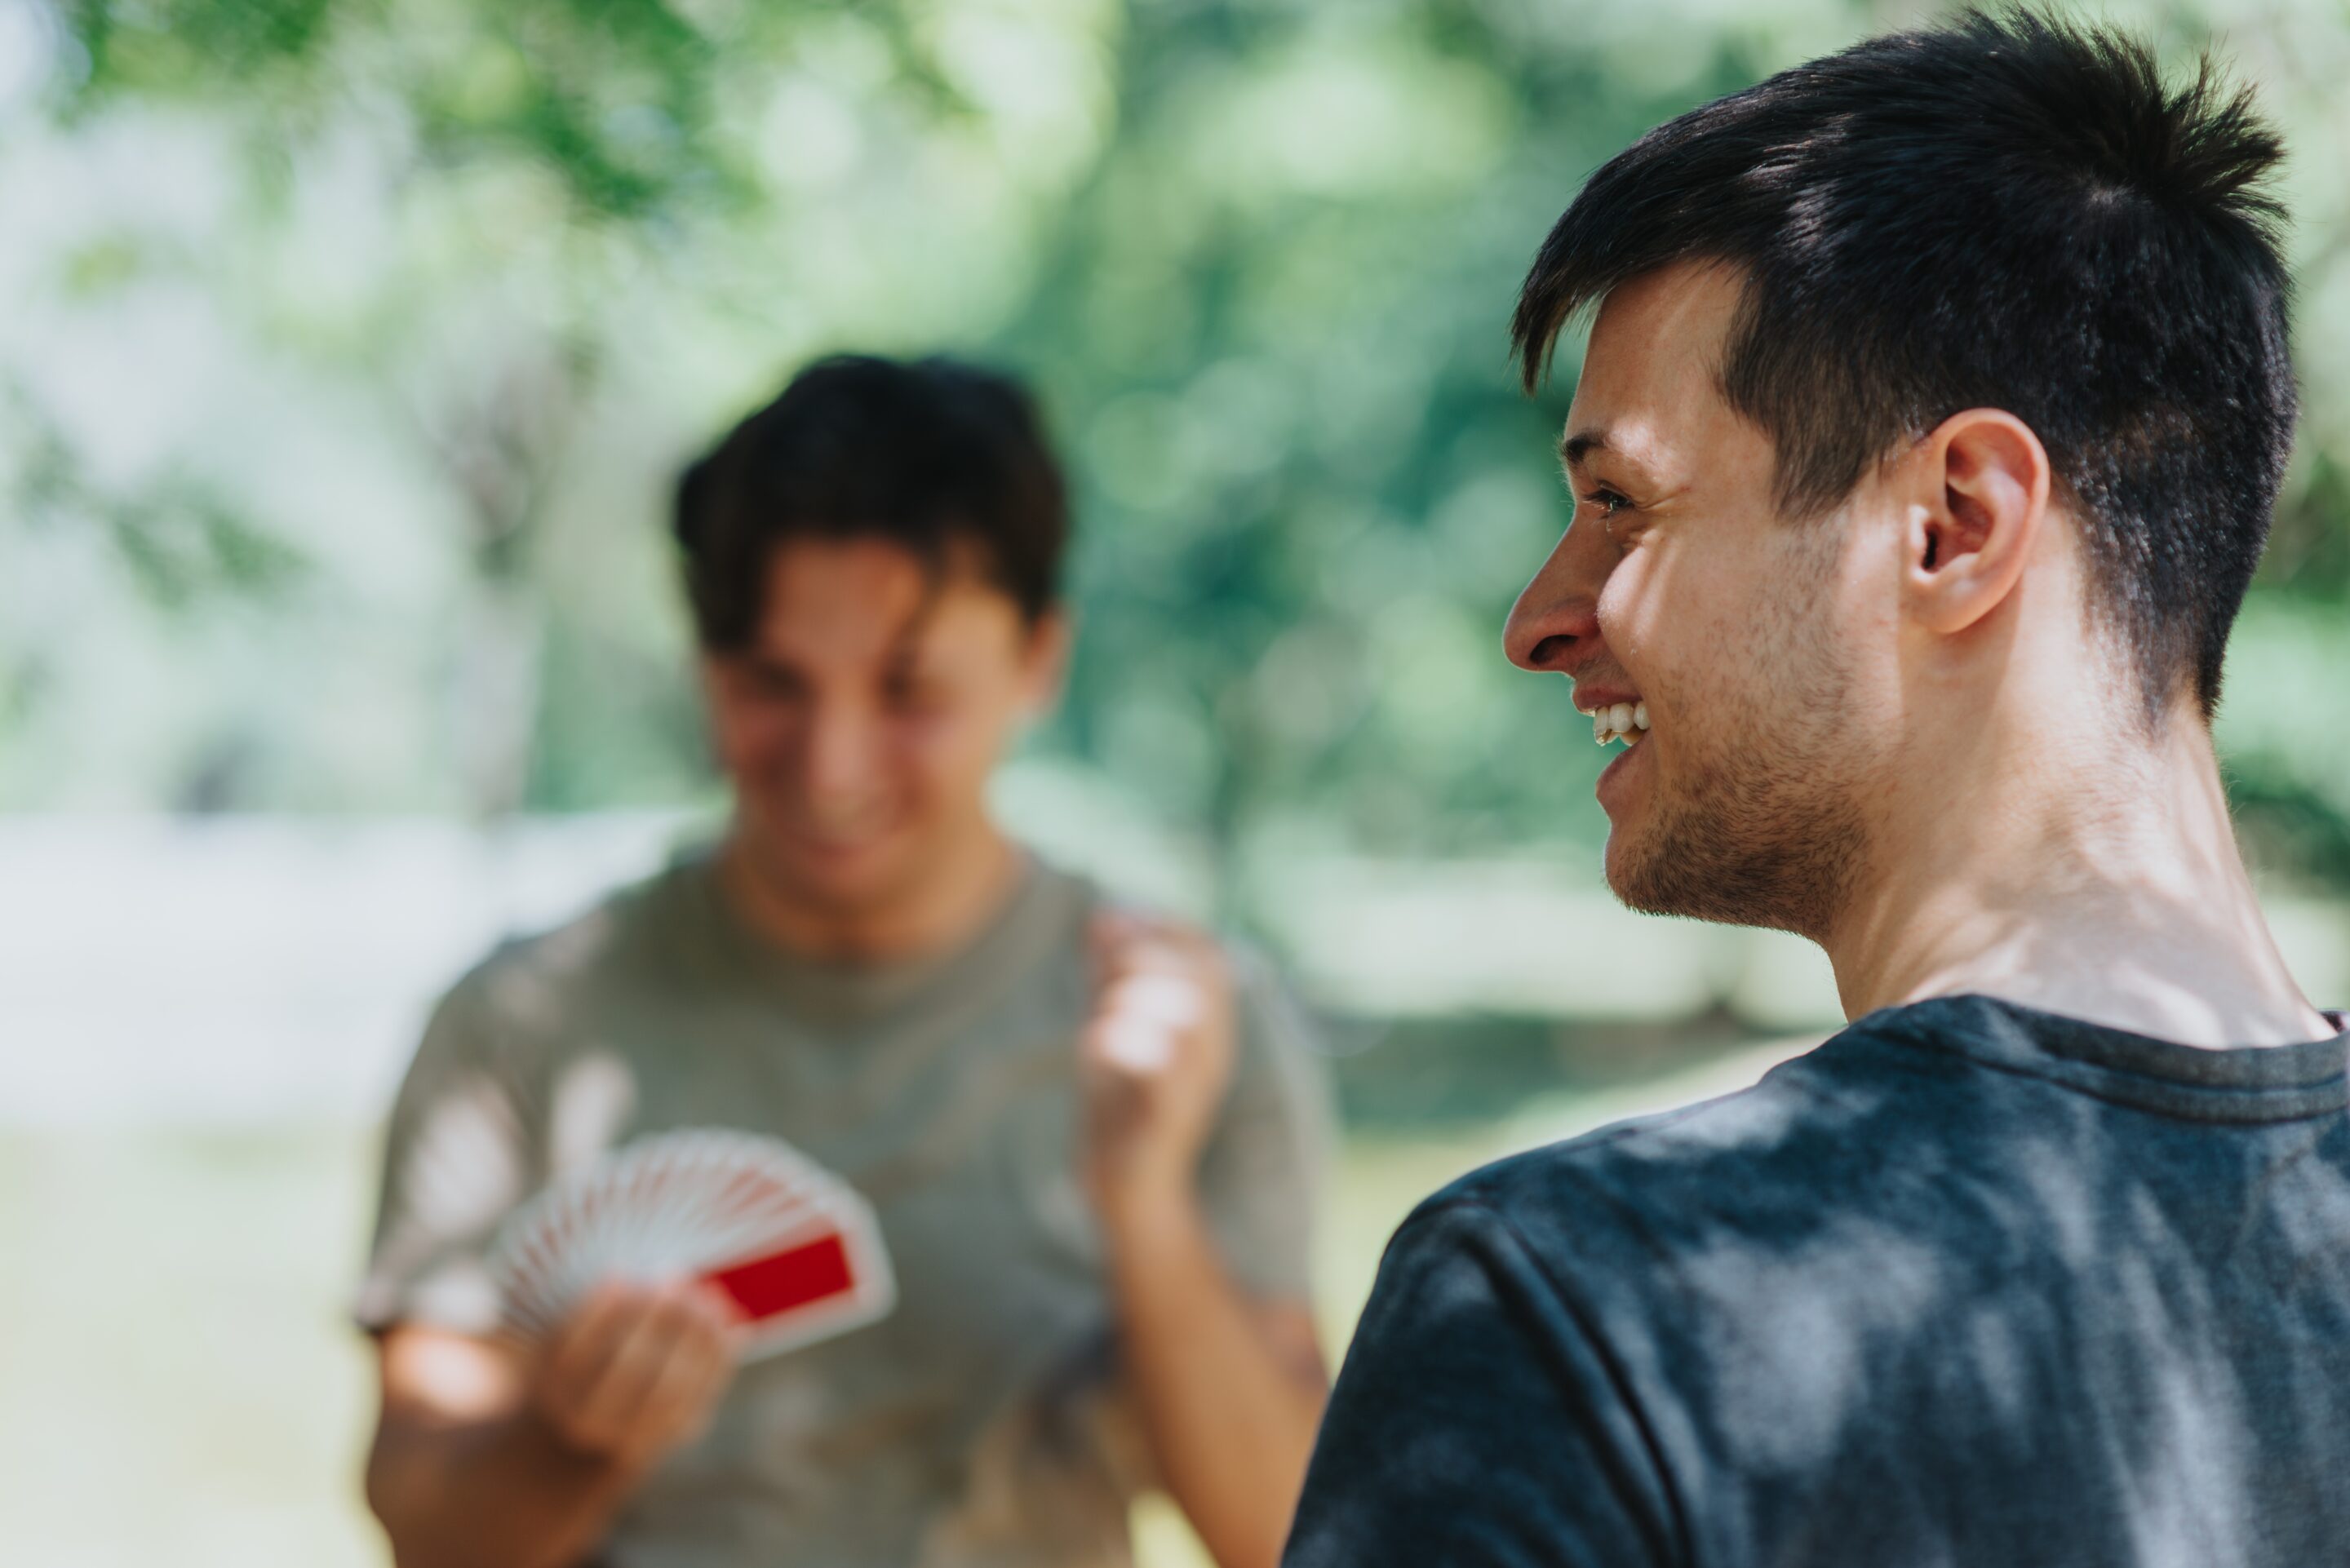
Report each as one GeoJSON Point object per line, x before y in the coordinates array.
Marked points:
{"type": "Point", "coordinates": [1925, 444]}
{"type": "Point", "coordinates": [1091, 1137]}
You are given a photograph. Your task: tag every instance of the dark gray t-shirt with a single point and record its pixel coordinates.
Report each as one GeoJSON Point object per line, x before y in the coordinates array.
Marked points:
{"type": "Point", "coordinates": [1970, 1286]}
{"type": "Point", "coordinates": [985, 1422]}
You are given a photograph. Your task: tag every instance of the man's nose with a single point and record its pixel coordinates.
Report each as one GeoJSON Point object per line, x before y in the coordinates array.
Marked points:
{"type": "Point", "coordinates": [1554, 625]}
{"type": "Point", "coordinates": [838, 761]}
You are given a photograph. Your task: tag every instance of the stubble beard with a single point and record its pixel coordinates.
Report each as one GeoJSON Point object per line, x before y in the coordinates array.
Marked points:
{"type": "Point", "coordinates": [1743, 848]}
{"type": "Point", "coordinates": [1764, 825]}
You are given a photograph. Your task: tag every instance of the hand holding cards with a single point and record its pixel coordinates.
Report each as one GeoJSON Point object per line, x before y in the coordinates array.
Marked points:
{"type": "Point", "coordinates": [792, 1248]}
{"type": "Point", "coordinates": [635, 1371]}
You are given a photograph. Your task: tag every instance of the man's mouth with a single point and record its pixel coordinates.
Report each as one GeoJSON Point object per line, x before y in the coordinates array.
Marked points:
{"type": "Point", "coordinates": [838, 836]}
{"type": "Point", "coordinates": [1624, 722]}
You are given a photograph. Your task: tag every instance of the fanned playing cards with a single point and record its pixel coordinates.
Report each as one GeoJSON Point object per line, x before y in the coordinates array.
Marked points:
{"type": "Point", "coordinates": [790, 1245]}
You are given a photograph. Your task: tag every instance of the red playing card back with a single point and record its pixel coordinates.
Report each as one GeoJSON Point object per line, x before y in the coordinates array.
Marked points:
{"type": "Point", "coordinates": [800, 1275]}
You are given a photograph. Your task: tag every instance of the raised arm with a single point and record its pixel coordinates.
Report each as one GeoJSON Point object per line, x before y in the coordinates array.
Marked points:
{"type": "Point", "coordinates": [1232, 1390]}
{"type": "Point", "coordinates": [1230, 1387]}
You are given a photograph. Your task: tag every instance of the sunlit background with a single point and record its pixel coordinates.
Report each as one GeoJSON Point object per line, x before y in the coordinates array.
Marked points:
{"type": "Point", "coordinates": [350, 349]}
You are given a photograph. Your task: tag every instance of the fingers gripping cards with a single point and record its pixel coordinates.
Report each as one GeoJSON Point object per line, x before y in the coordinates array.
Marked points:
{"type": "Point", "coordinates": [792, 1246]}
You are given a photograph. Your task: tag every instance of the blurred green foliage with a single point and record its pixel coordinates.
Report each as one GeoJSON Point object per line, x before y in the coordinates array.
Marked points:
{"type": "Point", "coordinates": [521, 258]}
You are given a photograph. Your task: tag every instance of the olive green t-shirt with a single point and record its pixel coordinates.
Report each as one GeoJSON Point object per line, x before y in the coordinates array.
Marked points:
{"type": "Point", "coordinates": [984, 1420]}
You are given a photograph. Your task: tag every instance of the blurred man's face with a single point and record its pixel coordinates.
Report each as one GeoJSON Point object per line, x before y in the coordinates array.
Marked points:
{"type": "Point", "coordinates": [1759, 644]}
{"type": "Point", "coordinates": [861, 724]}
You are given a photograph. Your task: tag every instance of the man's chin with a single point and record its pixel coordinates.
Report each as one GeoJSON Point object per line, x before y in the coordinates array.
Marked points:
{"type": "Point", "coordinates": [1702, 874]}
{"type": "Point", "coordinates": [1629, 861]}
{"type": "Point", "coordinates": [847, 880]}
{"type": "Point", "coordinates": [1647, 871]}
{"type": "Point", "coordinates": [833, 875]}
{"type": "Point", "coordinates": [1622, 868]}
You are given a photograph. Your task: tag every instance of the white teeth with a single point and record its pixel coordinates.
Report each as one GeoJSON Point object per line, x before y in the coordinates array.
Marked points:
{"type": "Point", "coordinates": [1624, 722]}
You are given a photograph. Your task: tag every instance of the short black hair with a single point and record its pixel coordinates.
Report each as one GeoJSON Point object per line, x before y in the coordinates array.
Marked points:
{"type": "Point", "coordinates": [929, 454]}
{"type": "Point", "coordinates": [2005, 211]}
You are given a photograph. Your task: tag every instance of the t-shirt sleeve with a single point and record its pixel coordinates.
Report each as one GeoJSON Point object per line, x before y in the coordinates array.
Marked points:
{"type": "Point", "coordinates": [459, 1154]}
{"type": "Point", "coordinates": [1261, 1176]}
{"type": "Point", "coordinates": [1475, 1423]}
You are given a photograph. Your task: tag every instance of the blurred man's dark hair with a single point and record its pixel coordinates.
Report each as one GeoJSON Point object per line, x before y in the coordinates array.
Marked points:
{"type": "Point", "coordinates": [2007, 212]}
{"type": "Point", "coordinates": [935, 455]}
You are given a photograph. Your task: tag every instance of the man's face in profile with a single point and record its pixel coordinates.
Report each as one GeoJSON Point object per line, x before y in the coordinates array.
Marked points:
{"type": "Point", "coordinates": [1750, 637]}
{"type": "Point", "coordinates": [861, 724]}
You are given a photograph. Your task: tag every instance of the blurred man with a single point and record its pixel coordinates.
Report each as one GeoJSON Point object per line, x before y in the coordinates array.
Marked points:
{"type": "Point", "coordinates": [1100, 1255]}
{"type": "Point", "coordinates": [1925, 444]}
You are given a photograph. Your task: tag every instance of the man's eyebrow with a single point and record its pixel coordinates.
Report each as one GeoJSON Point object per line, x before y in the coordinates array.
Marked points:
{"type": "Point", "coordinates": [1574, 449]}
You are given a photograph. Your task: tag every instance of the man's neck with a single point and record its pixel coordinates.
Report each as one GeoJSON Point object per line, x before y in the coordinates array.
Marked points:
{"type": "Point", "coordinates": [2099, 881]}
{"type": "Point", "coordinates": [959, 894]}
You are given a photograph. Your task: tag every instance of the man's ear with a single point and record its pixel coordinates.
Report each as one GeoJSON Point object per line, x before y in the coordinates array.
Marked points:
{"type": "Point", "coordinates": [1982, 493]}
{"type": "Point", "coordinates": [706, 674]}
{"type": "Point", "coordinates": [1050, 637]}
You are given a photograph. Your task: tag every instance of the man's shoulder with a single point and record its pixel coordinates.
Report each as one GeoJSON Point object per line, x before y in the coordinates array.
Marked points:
{"type": "Point", "coordinates": [1765, 1121]}
{"type": "Point", "coordinates": [1818, 1133]}
{"type": "Point", "coordinates": [620, 941]}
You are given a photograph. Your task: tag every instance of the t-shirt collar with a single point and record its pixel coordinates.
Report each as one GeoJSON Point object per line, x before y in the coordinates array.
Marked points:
{"type": "Point", "coordinates": [2263, 1083]}
{"type": "Point", "coordinates": [839, 993]}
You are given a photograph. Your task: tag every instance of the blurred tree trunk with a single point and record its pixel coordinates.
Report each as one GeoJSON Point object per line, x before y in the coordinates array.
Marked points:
{"type": "Point", "coordinates": [503, 453]}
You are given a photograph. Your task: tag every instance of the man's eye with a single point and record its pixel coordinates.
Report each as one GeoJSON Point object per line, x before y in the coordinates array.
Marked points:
{"type": "Point", "coordinates": [915, 696]}
{"type": "Point", "coordinates": [1608, 501]}
{"type": "Point", "coordinates": [770, 685]}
